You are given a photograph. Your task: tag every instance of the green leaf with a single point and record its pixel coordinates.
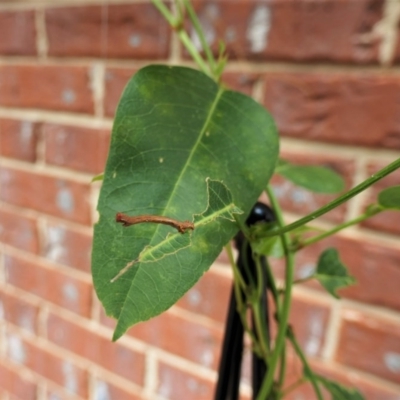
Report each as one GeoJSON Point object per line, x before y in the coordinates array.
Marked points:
{"type": "Point", "coordinates": [339, 392]}
{"type": "Point", "coordinates": [390, 197]}
{"type": "Point", "coordinates": [271, 247]}
{"type": "Point", "coordinates": [99, 177]}
{"type": "Point", "coordinates": [311, 177]}
{"type": "Point", "coordinates": [331, 273]}
{"type": "Point", "coordinates": [184, 148]}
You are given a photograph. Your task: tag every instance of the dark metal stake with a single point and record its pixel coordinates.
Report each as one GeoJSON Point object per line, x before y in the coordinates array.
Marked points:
{"type": "Point", "coordinates": [232, 350]}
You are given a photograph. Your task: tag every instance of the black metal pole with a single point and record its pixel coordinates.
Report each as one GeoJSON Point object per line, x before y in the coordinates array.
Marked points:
{"type": "Point", "coordinates": [232, 350]}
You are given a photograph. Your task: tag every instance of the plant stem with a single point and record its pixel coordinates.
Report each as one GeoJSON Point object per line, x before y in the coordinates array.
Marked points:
{"type": "Point", "coordinates": [191, 48]}
{"type": "Point", "coordinates": [199, 30]}
{"type": "Point", "coordinates": [166, 13]}
{"type": "Point", "coordinates": [258, 315]}
{"type": "Point", "coordinates": [369, 213]}
{"type": "Point", "coordinates": [266, 387]}
{"type": "Point", "coordinates": [177, 25]}
{"type": "Point", "coordinates": [335, 203]}
{"type": "Point", "coordinates": [310, 374]}
{"type": "Point", "coordinates": [293, 386]}
{"type": "Point", "coordinates": [236, 273]}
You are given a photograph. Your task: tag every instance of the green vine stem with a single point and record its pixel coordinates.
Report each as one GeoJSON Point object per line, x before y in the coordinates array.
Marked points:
{"type": "Point", "coordinates": [177, 24]}
{"type": "Point", "coordinates": [337, 202]}
{"type": "Point", "coordinates": [306, 365]}
{"type": "Point", "coordinates": [240, 287]}
{"type": "Point", "coordinates": [267, 384]}
{"type": "Point", "coordinates": [199, 31]}
{"type": "Point", "coordinates": [371, 211]}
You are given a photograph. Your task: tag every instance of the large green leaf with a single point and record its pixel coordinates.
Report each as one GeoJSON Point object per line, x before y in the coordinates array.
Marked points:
{"type": "Point", "coordinates": [315, 178]}
{"type": "Point", "coordinates": [185, 148]}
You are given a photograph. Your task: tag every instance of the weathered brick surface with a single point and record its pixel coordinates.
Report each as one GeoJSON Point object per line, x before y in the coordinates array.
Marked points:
{"type": "Point", "coordinates": [190, 386]}
{"type": "Point", "coordinates": [41, 359]}
{"type": "Point", "coordinates": [67, 246]}
{"type": "Point", "coordinates": [18, 32]}
{"type": "Point", "coordinates": [49, 87]}
{"type": "Point", "coordinates": [86, 343]}
{"type": "Point", "coordinates": [15, 384]}
{"type": "Point", "coordinates": [19, 139]}
{"type": "Point", "coordinates": [19, 311]}
{"type": "Point", "coordinates": [51, 195]}
{"type": "Point", "coordinates": [108, 387]}
{"type": "Point", "coordinates": [349, 109]}
{"type": "Point", "coordinates": [370, 344]}
{"type": "Point", "coordinates": [116, 31]}
{"type": "Point", "coordinates": [115, 81]}
{"type": "Point", "coordinates": [209, 297]}
{"type": "Point", "coordinates": [293, 30]}
{"type": "Point", "coordinates": [49, 284]}
{"type": "Point", "coordinates": [18, 230]}
{"type": "Point", "coordinates": [188, 339]}
{"type": "Point", "coordinates": [74, 147]}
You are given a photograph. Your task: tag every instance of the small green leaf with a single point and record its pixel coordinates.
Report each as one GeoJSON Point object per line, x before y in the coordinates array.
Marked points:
{"type": "Point", "coordinates": [390, 197]}
{"type": "Point", "coordinates": [331, 273]}
{"type": "Point", "coordinates": [339, 392]}
{"type": "Point", "coordinates": [271, 246]}
{"type": "Point", "coordinates": [311, 177]}
{"type": "Point", "coordinates": [99, 177]}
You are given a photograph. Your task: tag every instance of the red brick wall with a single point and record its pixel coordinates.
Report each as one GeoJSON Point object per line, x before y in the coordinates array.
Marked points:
{"type": "Point", "coordinates": [326, 70]}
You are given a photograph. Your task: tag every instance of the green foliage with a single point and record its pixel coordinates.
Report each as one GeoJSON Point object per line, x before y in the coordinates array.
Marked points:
{"type": "Point", "coordinates": [339, 392]}
{"type": "Point", "coordinates": [331, 273]}
{"type": "Point", "coordinates": [311, 177]}
{"type": "Point", "coordinates": [390, 197]}
{"type": "Point", "coordinates": [184, 148]}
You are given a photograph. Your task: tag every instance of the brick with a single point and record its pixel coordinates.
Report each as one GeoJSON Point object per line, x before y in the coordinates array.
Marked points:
{"type": "Point", "coordinates": [115, 81]}
{"type": "Point", "coordinates": [77, 148]}
{"type": "Point", "coordinates": [190, 386]}
{"type": "Point", "coordinates": [18, 311]}
{"type": "Point", "coordinates": [209, 297]}
{"type": "Point", "coordinates": [87, 343]}
{"type": "Point", "coordinates": [188, 339]}
{"type": "Point", "coordinates": [67, 246]}
{"type": "Point", "coordinates": [18, 230]}
{"type": "Point", "coordinates": [116, 31]}
{"type": "Point", "coordinates": [348, 109]}
{"type": "Point", "coordinates": [49, 87]}
{"type": "Point", "coordinates": [109, 390]}
{"type": "Point", "coordinates": [388, 221]}
{"type": "Point", "coordinates": [179, 336]}
{"type": "Point", "coordinates": [18, 33]}
{"type": "Point", "coordinates": [18, 139]}
{"type": "Point", "coordinates": [15, 383]}
{"type": "Point", "coordinates": [39, 358]}
{"type": "Point", "coordinates": [374, 266]}
{"type": "Point", "coordinates": [49, 284]}
{"type": "Point", "coordinates": [241, 82]}
{"type": "Point", "coordinates": [57, 394]}
{"type": "Point", "coordinates": [297, 200]}
{"type": "Point", "coordinates": [370, 344]}
{"type": "Point", "coordinates": [292, 30]}
{"type": "Point", "coordinates": [51, 195]}
{"type": "Point", "coordinates": [309, 320]}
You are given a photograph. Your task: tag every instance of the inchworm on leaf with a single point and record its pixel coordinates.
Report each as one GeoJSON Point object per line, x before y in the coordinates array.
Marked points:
{"type": "Point", "coordinates": [181, 226]}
